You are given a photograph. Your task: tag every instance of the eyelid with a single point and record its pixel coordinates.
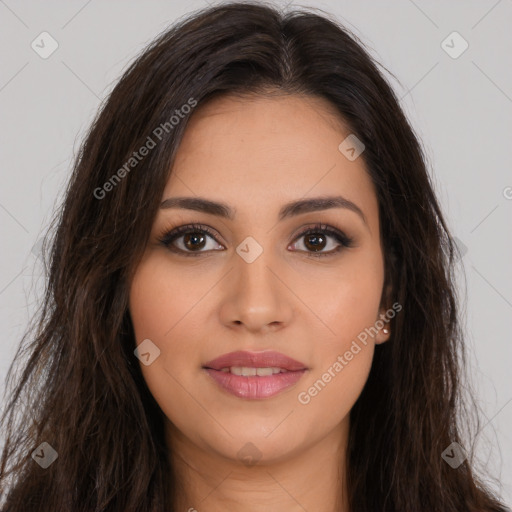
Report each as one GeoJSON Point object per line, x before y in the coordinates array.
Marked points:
{"type": "Point", "coordinates": [172, 233]}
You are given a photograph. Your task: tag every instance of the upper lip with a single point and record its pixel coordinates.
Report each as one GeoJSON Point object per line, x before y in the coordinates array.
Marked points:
{"type": "Point", "coordinates": [255, 360]}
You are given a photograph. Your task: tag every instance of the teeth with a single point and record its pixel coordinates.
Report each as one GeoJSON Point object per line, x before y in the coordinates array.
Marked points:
{"type": "Point", "coordinates": [249, 372]}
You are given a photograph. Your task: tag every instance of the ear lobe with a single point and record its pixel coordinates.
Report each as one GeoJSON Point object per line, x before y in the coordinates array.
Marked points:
{"type": "Point", "coordinates": [385, 303]}
{"type": "Point", "coordinates": [383, 335]}
{"type": "Point", "coordinates": [385, 331]}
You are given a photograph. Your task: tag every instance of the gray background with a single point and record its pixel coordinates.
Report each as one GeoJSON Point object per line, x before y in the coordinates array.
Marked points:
{"type": "Point", "coordinates": [460, 107]}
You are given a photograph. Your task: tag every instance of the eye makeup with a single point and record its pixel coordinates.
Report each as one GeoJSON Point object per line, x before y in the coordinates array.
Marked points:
{"type": "Point", "coordinates": [201, 232]}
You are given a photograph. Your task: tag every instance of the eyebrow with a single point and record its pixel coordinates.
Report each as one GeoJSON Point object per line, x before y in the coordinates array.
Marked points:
{"type": "Point", "coordinates": [288, 210]}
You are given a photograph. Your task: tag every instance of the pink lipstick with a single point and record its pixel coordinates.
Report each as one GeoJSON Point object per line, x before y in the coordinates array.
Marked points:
{"type": "Point", "coordinates": [255, 375]}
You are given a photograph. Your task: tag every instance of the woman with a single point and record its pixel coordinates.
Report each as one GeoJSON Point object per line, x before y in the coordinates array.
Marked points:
{"type": "Point", "coordinates": [250, 302]}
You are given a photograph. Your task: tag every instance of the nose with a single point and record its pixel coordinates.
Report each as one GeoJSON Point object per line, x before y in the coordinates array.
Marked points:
{"type": "Point", "coordinates": [257, 297]}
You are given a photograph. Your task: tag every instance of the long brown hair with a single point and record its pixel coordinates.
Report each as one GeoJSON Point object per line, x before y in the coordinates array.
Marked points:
{"type": "Point", "coordinates": [81, 389]}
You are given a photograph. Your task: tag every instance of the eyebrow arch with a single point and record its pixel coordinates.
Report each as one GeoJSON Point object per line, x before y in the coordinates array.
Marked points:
{"type": "Point", "coordinates": [288, 210]}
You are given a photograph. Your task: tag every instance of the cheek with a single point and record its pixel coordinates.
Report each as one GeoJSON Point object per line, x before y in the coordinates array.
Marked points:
{"type": "Point", "coordinates": [161, 298]}
{"type": "Point", "coordinates": [332, 390]}
{"type": "Point", "coordinates": [347, 302]}
{"type": "Point", "coordinates": [342, 358]}
{"type": "Point", "coordinates": [159, 309]}
{"type": "Point", "coordinates": [344, 354]}
{"type": "Point", "coordinates": [166, 305]}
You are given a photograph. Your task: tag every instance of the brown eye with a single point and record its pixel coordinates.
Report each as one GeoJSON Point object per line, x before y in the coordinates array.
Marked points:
{"type": "Point", "coordinates": [194, 241]}
{"type": "Point", "coordinates": [316, 239]}
{"type": "Point", "coordinates": [190, 240]}
{"type": "Point", "coordinates": [315, 242]}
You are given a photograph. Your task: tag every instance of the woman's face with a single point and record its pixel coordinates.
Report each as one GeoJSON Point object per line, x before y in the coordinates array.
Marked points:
{"type": "Point", "coordinates": [257, 284]}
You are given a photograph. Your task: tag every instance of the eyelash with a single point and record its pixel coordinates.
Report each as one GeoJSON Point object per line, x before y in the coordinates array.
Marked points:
{"type": "Point", "coordinates": [170, 236]}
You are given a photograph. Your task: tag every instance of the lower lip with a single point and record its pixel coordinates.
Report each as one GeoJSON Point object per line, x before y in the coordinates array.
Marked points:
{"type": "Point", "coordinates": [255, 387]}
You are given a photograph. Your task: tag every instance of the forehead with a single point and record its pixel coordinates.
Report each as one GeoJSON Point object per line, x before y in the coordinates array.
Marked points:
{"type": "Point", "coordinates": [266, 151]}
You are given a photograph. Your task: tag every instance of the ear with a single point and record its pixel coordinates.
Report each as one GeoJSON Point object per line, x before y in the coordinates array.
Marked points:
{"type": "Point", "coordinates": [384, 334]}
{"type": "Point", "coordinates": [382, 321]}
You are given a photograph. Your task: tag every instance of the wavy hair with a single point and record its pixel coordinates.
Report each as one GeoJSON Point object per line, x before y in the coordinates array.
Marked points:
{"type": "Point", "coordinates": [81, 389]}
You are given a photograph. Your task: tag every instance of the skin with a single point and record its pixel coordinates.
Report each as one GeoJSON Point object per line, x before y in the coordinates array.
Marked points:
{"type": "Point", "coordinates": [256, 154]}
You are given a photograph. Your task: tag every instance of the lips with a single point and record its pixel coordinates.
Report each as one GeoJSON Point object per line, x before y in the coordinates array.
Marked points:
{"type": "Point", "coordinates": [255, 375]}
{"type": "Point", "coordinates": [246, 359]}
